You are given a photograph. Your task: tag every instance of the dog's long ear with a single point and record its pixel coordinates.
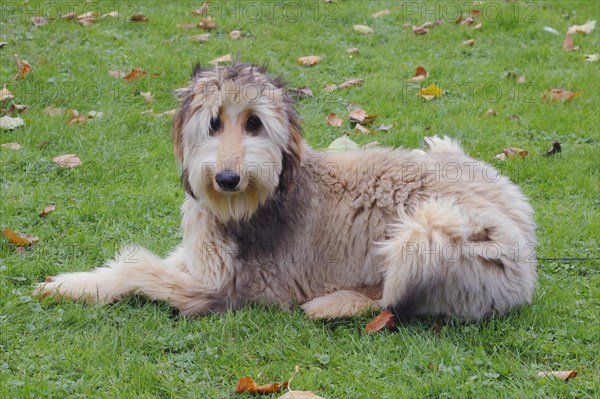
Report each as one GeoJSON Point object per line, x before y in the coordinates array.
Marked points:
{"type": "Point", "coordinates": [292, 158]}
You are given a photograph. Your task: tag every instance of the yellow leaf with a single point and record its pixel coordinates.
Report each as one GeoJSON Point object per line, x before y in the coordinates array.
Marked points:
{"type": "Point", "coordinates": [431, 91]}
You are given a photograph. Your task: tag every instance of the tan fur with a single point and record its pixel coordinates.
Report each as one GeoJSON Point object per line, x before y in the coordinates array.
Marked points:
{"type": "Point", "coordinates": [421, 233]}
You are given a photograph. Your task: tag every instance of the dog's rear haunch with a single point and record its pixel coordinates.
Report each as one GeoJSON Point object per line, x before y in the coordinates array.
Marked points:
{"type": "Point", "coordinates": [267, 219]}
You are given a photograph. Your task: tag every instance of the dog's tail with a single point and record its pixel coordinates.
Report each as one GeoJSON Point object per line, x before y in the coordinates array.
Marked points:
{"type": "Point", "coordinates": [438, 261]}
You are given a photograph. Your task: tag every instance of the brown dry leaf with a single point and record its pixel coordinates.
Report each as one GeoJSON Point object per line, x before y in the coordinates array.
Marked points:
{"type": "Point", "coordinates": [301, 92]}
{"type": "Point", "coordinates": [148, 97]}
{"type": "Point", "coordinates": [11, 146]}
{"type": "Point", "coordinates": [363, 29]}
{"type": "Point", "coordinates": [207, 23]}
{"type": "Point", "coordinates": [555, 149]}
{"type": "Point", "coordinates": [87, 15]}
{"type": "Point", "coordinates": [117, 74]}
{"type": "Point", "coordinates": [19, 239]}
{"type": "Point", "coordinates": [511, 153]}
{"type": "Point", "coordinates": [352, 50]}
{"type": "Point", "coordinates": [20, 108]}
{"type": "Point", "coordinates": [113, 14]}
{"type": "Point", "coordinates": [419, 30]}
{"type": "Point", "coordinates": [309, 60]}
{"type": "Point", "coordinates": [39, 21]}
{"type": "Point", "coordinates": [5, 94]}
{"type": "Point", "coordinates": [202, 10]}
{"type": "Point", "coordinates": [247, 384]}
{"type": "Point", "coordinates": [420, 74]}
{"type": "Point", "coordinates": [466, 22]}
{"type": "Point", "coordinates": [170, 112]}
{"type": "Point", "coordinates": [191, 25]}
{"type": "Point", "coordinates": [300, 395]}
{"type": "Point", "coordinates": [53, 111]}
{"type": "Point", "coordinates": [521, 80]}
{"type": "Point", "coordinates": [351, 83]}
{"type": "Point", "coordinates": [223, 59]}
{"type": "Point", "coordinates": [384, 319]}
{"type": "Point", "coordinates": [478, 26]}
{"type": "Point", "coordinates": [203, 38]}
{"type": "Point", "coordinates": [329, 88]}
{"type": "Point", "coordinates": [381, 13]}
{"type": "Point", "coordinates": [235, 34]}
{"type": "Point", "coordinates": [47, 210]}
{"type": "Point", "coordinates": [69, 16]}
{"type": "Point", "coordinates": [135, 74]}
{"type": "Point", "coordinates": [23, 67]}
{"type": "Point", "coordinates": [139, 18]}
{"type": "Point", "coordinates": [359, 115]}
{"type": "Point", "coordinates": [361, 129]}
{"type": "Point", "coordinates": [563, 375]}
{"type": "Point", "coordinates": [86, 21]}
{"type": "Point", "coordinates": [334, 120]}
{"type": "Point", "coordinates": [67, 160]}
{"type": "Point", "coordinates": [559, 94]}
{"type": "Point", "coordinates": [385, 128]}
{"type": "Point", "coordinates": [470, 42]}
{"type": "Point", "coordinates": [430, 92]}
{"type": "Point", "coordinates": [586, 28]}
{"type": "Point", "coordinates": [568, 44]}
{"type": "Point", "coordinates": [491, 112]}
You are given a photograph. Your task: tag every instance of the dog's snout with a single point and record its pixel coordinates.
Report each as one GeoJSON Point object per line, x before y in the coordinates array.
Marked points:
{"type": "Point", "coordinates": [227, 180]}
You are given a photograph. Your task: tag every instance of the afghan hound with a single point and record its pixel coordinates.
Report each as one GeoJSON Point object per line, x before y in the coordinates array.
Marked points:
{"type": "Point", "coordinates": [269, 220]}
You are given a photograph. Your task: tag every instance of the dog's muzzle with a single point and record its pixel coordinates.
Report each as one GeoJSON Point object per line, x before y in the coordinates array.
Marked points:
{"type": "Point", "coordinates": [227, 180]}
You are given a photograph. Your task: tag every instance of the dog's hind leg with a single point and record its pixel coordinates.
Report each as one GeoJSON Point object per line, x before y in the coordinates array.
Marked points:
{"type": "Point", "coordinates": [339, 304]}
{"type": "Point", "coordinates": [138, 271]}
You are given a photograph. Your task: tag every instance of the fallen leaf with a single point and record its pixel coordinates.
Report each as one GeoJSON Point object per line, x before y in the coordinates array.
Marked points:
{"type": "Point", "coordinates": [191, 25]}
{"type": "Point", "coordinates": [563, 375]}
{"type": "Point", "coordinates": [19, 239]}
{"type": "Point", "coordinates": [148, 97]}
{"type": "Point", "coordinates": [69, 16]}
{"type": "Point", "coordinates": [568, 44]}
{"type": "Point", "coordinates": [586, 28]}
{"type": "Point", "coordinates": [363, 29]}
{"type": "Point", "coordinates": [147, 112]}
{"type": "Point", "coordinates": [5, 94]}
{"type": "Point", "coordinates": [381, 13]}
{"type": "Point", "coordinates": [419, 30]}
{"type": "Point", "coordinates": [420, 74]}
{"type": "Point", "coordinates": [202, 10]}
{"type": "Point", "coordinates": [247, 384]}
{"type": "Point", "coordinates": [112, 14]}
{"type": "Point", "coordinates": [470, 42]}
{"type": "Point", "coordinates": [361, 129]}
{"type": "Point", "coordinates": [235, 34]}
{"type": "Point", "coordinates": [86, 21]}
{"type": "Point", "coordinates": [334, 120]}
{"type": "Point", "coordinates": [171, 112]}
{"type": "Point", "coordinates": [11, 146]}
{"type": "Point", "coordinates": [352, 50]}
{"type": "Point", "coordinates": [89, 14]}
{"type": "Point", "coordinates": [559, 94]}
{"type": "Point", "coordinates": [20, 108]}
{"type": "Point", "coordinates": [139, 18]}
{"type": "Point", "coordinates": [135, 73]}
{"type": "Point", "coordinates": [491, 112]}
{"type": "Point", "coordinates": [53, 111]}
{"type": "Point", "coordinates": [511, 153]}
{"type": "Point", "coordinates": [309, 60]}
{"type": "Point", "coordinates": [39, 21]}
{"type": "Point", "coordinates": [117, 74]}
{"type": "Point", "coordinates": [301, 92]}
{"type": "Point", "coordinates": [223, 59]}
{"type": "Point", "coordinates": [95, 114]}
{"type": "Point", "coordinates": [430, 92]}
{"type": "Point", "coordinates": [9, 123]}
{"type": "Point", "coordinates": [384, 319]}
{"type": "Point", "coordinates": [23, 67]}
{"type": "Point", "coordinates": [329, 88]}
{"type": "Point", "coordinates": [371, 144]}
{"type": "Point", "coordinates": [47, 210]}
{"type": "Point", "coordinates": [592, 57]}
{"type": "Point", "coordinates": [300, 395]}
{"type": "Point", "coordinates": [466, 22]}
{"type": "Point", "coordinates": [521, 80]}
{"type": "Point", "coordinates": [351, 83]}
{"type": "Point", "coordinates": [207, 23]}
{"type": "Point", "coordinates": [359, 115]}
{"type": "Point", "coordinates": [202, 38]}
{"type": "Point", "coordinates": [68, 160]}
{"type": "Point", "coordinates": [385, 128]}
{"type": "Point", "coordinates": [515, 118]}
{"type": "Point", "coordinates": [343, 143]}
{"type": "Point", "coordinates": [478, 26]}
{"type": "Point", "coordinates": [550, 29]}
{"type": "Point", "coordinates": [555, 149]}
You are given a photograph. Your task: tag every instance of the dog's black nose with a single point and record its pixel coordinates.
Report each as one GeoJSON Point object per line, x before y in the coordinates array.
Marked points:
{"type": "Point", "coordinates": [227, 180]}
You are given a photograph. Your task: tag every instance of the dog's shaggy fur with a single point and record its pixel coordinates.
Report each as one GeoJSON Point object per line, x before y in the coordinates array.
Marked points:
{"type": "Point", "coordinates": [267, 219]}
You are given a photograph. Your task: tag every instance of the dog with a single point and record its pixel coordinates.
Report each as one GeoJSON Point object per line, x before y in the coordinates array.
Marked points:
{"type": "Point", "coordinates": [268, 220]}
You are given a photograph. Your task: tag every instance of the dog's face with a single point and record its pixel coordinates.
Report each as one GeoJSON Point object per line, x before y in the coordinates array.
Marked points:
{"type": "Point", "coordinates": [237, 139]}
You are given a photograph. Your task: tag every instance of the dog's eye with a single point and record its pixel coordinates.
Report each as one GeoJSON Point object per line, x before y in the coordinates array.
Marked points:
{"type": "Point", "coordinates": [253, 124]}
{"type": "Point", "coordinates": [215, 125]}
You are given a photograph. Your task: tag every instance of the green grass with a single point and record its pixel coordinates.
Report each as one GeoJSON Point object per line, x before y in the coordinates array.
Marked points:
{"type": "Point", "coordinates": [127, 190]}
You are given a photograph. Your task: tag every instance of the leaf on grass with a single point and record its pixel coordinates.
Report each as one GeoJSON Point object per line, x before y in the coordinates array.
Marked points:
{"type": "Point", "coordinates": [381, 13]}
{"type": "Point", "coordinates": [235, 35]}
{"type": "Point", "coordinates": [47, 210]}
{"type": "Point", "coordinates": [351, 83]}
{"type": "Point", "coordinates": [202, 10]}
{"type": "Point", "coordinates": [584, 29]}
{"type": "Point", "coordinates": [465, 22]}
{"type": "Point", "coordinates": [67, 160]}
{"type": "Point", "coordinates": [19, 239]}
{"type": "Point", "coordinates": [117, 74]}
{"type": "Point", "coordinates": [12, 146]}
{"type": "Point", "coordinates": [38, 21]}
{"type": "Point", "coordinates": [555, 149]}
{"type": "Point", "coordinates": [359, 115]}
{"type": "Point", "coordinates": [478, 26]}
{"type": "Point", "coordinates": [148, 97]}
{"type": "Point", "coordinates": [301, 92]}
{"type": "Point", "coordinates": [300, 395]}
{"type": "Point", "coordinates": [309, 60]}
{"type": "Point", "coordinates": [5, 94]}
{"type": "Point", "coordinates": [191, 25]}
{"type": "Point", "coordinates": [419, 30]}
{"type": "Point", "coordinates": [361, 129]}
{"type": "Point", "coordinates": [343, 143]}
{"type": "Point", "coordinates": [23, 67]}
{"type": "Point", "coordinates": [202, 38]}
{"type": "Point", "coordinates": [420, 74]}
{"type": "Point", "coordinates": [511, 153]}
{"type": "Point", "coordinates": [53, 111]}
{"type": "Point", "coordinates": [559, 94]}
{"type": "Point", "coordinates": [491, 112]}
{"type": "Point", "coordinates": [592, 57]}
{"type": "Point", "coordinates": [384, 319]}
{"type": "Point", "coordinates": [568, 44]}
{"type": "Point", "coordinates": [86, 21]}
{"type": "Point", "coordinates": [20, 108]}
{"type": "Point", "coordinates": [470, 42]}
{"type": "Point", "coordinates": [334, 120]}
{"type": "Point", "coordinates": [171, 112]}
{"type": "Point", "coordinates": [363, 29]}
{"type": "Point", "coordinates": [139, 18]}
{"type": "Point", "coordinates": [69, 16]}
{"type": "Point", "coordinates": [9, 123]}
{"type": "Point", "coordinates": [207, 23]}
{"type": "Point", "coordinates": [563, 375]}
{"type": "Point", "coordinates": [135, 73]}
{"type": "Point", "coordinates": [385, 128]}
{"type": "Point", "coordinates": [371, 144]}
{"type": "Point", "coordinates": [329, 88]}
{"type": "Point", "coordinates": [352, 50]}
{"type": "Point", "coordinates": [247, 384]}
{"type": "Point", "coordinates": [521, 80]}
{"type": "Point", "coordinates": [223, 59]}
{"type": "Point", "coordinates": [112, 14]}
{"type": "Point", "coordinates": [430, 92]}
{"type": "Point", "coordinates": [89, 14]}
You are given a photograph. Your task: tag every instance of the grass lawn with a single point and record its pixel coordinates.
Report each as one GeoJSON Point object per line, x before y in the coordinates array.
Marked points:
{"type": "Point", "coordinates": [127, 190]}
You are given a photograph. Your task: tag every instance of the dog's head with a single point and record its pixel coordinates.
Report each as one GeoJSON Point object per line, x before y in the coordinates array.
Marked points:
{"type": "Point", "coordinates": [237, 139]}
